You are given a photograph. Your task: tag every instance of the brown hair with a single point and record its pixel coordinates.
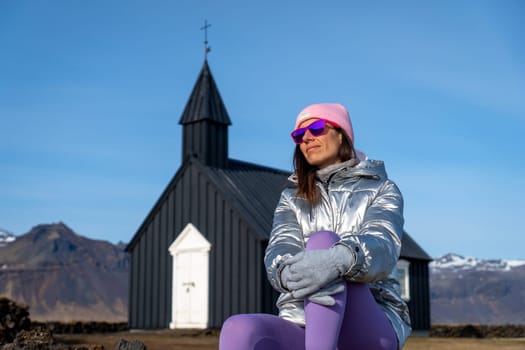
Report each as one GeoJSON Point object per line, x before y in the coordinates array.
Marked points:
{"type": "Point", "coordinates": [305, 172]}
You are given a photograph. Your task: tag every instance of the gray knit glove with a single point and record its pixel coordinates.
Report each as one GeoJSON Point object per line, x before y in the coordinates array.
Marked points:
{"type": "Point", "coordinates": [311, 270]}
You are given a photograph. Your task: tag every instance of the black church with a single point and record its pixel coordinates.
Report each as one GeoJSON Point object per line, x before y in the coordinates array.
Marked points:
{"type": "Point", "coordinates": [197, 258]}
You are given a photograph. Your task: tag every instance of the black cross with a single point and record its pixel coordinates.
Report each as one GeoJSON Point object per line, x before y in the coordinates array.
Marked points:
{"type": "Point", "coordinates": [206, 47]}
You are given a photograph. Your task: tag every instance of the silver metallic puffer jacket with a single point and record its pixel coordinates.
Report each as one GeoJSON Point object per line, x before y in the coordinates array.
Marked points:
{"type": "Point", "coordinates": [365, 208]}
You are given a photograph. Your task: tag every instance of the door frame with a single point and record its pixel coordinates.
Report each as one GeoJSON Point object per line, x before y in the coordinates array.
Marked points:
{"type": "Point", "coordinates": [190, 240]}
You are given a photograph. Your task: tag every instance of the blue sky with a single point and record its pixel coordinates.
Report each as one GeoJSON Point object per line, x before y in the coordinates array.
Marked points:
{"type": "Point", "coordinates": [91, 93]}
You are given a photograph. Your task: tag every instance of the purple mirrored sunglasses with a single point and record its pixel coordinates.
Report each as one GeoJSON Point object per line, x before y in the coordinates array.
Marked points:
{"type": "Point", "coordinates": [317, 128]}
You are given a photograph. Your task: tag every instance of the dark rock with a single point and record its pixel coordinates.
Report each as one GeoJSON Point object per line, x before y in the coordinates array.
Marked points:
{"type": "Point", "coordinates": [37, 336]}
{"type": "Point", "coordinates": [13, 319]}
{"type": "Point", "coordinates": [87, 347]}
{"type": "Point", "coordinates": [84, 327]}
{"type": "Point", "coordinates": [124, 344]}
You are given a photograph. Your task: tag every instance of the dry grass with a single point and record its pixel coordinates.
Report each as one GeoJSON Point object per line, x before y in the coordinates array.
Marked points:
{"type": "Point", "coordinates": [154, 340]}
{"type": "Point", "coordinates": [180, 340]}
{"type": "Point", "coordinates": [425, 343]}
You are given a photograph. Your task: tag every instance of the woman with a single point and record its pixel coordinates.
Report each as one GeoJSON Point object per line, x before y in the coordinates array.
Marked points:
{"type": "Point", "coordinates": [333, 249]}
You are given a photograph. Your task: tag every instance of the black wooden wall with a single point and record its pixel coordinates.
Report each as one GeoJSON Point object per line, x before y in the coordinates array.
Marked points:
{"type": "Point", "coordinates": [419, 304]}
{"type": "Point", "coordinates": [207, 141]}
{"type": "Point", "coordinates": [237, 281]}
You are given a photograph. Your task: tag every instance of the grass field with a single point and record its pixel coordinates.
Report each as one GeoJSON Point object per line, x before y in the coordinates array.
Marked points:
{"type": "Point", "coordinates": [176, 340]}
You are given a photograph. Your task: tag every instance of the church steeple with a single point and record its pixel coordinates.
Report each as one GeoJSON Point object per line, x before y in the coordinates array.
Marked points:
{"type": "Point", "coordinates": [205, 122]}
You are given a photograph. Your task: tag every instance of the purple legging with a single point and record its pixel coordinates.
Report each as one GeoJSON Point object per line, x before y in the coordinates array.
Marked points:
{"type": "Point", "coordinates": [354, 322]}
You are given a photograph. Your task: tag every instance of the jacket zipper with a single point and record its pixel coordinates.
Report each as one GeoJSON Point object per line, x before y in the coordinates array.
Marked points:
{"type": "Point", "coordinates": [327, 191]}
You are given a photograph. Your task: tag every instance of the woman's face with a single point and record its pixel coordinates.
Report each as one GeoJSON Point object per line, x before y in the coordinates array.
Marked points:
{"type": "Point", "coordinates": [323, 150]}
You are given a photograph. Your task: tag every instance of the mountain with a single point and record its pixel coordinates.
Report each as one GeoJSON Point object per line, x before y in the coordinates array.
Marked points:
{"type": "Point", "coordinates": [64, 276]}
{"type": "Point", "coordinates": [6, 237]}
{"type": "Point", "coordinates": [477, 291]}
{"type": "Point", "coordinates": [455, 262]}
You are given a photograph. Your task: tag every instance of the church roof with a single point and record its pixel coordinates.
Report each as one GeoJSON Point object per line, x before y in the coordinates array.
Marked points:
{"type": "Point", "coordinates": [253, 189]}
{"type": "Point", "coordinates": [205, 102]}
{"type": "Point", "coordinates": [410, 249]}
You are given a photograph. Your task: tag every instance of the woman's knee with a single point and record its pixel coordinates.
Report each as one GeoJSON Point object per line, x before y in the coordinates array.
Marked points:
{"type": "Point", "coordinates": [258, 331]}
{"type": "Point", "coordinates": [250, 325]}
{"type": "Point", "coordinates": [238, 332]}
{"type": "Point", "coordinates": [238, 325]}
{"type": "Point", "coordinates": [322, 240]}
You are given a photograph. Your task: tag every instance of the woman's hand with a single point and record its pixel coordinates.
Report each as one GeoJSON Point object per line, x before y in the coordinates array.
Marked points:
{"type": "Point", "coordinates": [286, 276]}
{"type": "Point", "coordinates": [311, 270]}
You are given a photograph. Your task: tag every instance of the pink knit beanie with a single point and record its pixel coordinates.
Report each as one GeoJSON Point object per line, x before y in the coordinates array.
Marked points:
{"type": "Point", "coordinates": [333, 112]}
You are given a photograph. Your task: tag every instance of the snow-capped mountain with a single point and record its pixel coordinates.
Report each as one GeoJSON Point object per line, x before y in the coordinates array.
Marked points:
{"type": "Point", "coordinates": [459, 262]}
{"type": "Point", "coordinates": [6, 237]}
{"type": "Point", "coordinates": [469, 290]}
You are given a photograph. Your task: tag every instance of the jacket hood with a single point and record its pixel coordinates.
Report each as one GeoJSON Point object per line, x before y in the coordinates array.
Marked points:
{"type": "Point", "coordinates": [365, 168]}
{"type": "Point", "coordinates": [369, 167]}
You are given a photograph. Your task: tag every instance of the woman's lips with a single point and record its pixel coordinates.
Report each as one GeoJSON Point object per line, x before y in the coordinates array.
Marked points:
{"type": "Point", "coordinates": [309, 149]}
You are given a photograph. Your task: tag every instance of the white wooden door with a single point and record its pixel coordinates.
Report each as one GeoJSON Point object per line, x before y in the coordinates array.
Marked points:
{"type": "Point", "coordinates": [191, 294]}
{"type": "Point", "coordinates": [190, 290]}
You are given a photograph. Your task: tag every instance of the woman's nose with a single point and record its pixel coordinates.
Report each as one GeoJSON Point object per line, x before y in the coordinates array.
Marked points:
{"type": "Point", "coordinates": [308, 136]}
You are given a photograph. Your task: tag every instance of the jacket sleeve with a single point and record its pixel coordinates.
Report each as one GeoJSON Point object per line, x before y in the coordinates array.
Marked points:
{"type": "Point", "coordinates": [377, 244]}
{"type": "Point", "coordinates": [286, 239]}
